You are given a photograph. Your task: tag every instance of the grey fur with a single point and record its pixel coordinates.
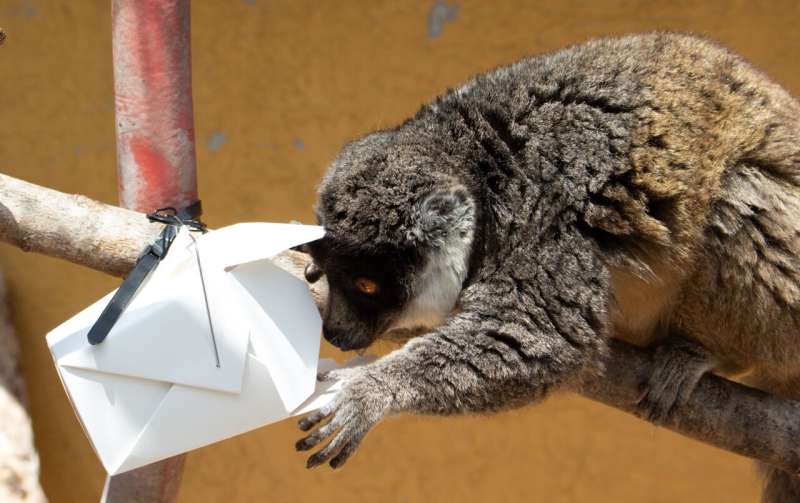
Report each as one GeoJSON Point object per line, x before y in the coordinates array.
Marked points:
{"type": "Point", "coordinates": [625, 187]}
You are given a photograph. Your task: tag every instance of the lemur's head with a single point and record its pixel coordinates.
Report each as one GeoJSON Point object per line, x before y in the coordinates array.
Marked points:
{"type": "Point", "coordinates": [399, 231]}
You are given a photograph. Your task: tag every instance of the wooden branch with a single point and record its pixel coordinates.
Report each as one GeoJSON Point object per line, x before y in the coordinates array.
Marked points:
{"type": "Point", "coordinates": [75, 228]}
{"type": "Point", "coordinates": [106, 238]}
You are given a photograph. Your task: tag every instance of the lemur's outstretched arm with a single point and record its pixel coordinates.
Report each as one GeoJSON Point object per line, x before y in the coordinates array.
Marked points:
{"type": "Point", "coordinates": [515, 339]}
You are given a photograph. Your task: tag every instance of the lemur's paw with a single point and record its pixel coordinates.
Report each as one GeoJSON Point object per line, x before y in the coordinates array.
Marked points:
{"type": "Point", "coordinates": [678, 364]}
{"type": "Point", "coordinates": [362, 402]}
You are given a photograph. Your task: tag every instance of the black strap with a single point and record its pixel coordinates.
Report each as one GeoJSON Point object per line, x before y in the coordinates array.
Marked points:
{"type": "Point", "coordinates": [189, 213]}
{"type": "Point", "coordinates": [122, 297]}
{"type": "Point", "coordinates": [148, 260]}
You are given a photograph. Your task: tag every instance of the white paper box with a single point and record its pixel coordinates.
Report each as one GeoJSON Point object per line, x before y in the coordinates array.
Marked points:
{"type": "Point", "coordinates": [152, 389]}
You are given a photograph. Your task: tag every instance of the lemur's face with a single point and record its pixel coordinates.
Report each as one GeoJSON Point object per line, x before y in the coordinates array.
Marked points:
{"type": "Point", "coordinates": [367, 290]}
{"type": "Point", "coordinates": [397, 243]}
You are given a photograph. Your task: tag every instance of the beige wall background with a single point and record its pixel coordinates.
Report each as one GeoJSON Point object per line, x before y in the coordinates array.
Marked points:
{"type": "Point", "coordinates": [279, 86]}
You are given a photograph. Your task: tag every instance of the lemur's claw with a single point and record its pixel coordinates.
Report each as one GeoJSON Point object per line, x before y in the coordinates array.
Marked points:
{"type": "Point", "coordinates": [678, 365]}
{"type": "Point", "coordinates": [361, 404]}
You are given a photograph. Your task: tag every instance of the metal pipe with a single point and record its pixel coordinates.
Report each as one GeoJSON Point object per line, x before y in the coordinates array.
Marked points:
{"type": "Point", "coordinates": [153, 99]}
{"type": "Point", "coordinates": [156, 163]}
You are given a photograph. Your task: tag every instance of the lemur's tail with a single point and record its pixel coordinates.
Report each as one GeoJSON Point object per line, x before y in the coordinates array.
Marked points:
{"type": "Point", "coordinates": [779, 486]}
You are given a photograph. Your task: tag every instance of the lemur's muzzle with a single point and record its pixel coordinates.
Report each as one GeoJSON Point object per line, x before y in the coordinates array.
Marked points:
{"type": "Point", "coordinates": [341, 339]}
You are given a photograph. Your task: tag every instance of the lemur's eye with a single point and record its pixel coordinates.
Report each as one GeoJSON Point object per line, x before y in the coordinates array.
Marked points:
{"type": "Point", "coordinates": [366, 286]}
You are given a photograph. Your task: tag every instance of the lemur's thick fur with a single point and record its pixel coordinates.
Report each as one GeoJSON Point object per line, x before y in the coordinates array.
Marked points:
{"type": "Point", "coordinates": [632, 187]}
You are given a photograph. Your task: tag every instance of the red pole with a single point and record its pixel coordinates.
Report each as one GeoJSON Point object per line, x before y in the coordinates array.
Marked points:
{"type": "Point", "coordinates": [153, 95]}
{"type": "Point", "coordinates": [155, 158]}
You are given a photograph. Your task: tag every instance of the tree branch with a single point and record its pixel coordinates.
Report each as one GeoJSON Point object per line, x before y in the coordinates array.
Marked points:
{"type": "Point", "coordinates": [72, 227]}
{"type": "Point", "coordinates": [109, 239]}
{"type": "Point", "coordinates": [719, 412]}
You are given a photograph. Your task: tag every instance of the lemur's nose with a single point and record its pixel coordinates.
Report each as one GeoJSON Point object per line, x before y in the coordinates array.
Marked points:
{"type": "Point", "coordinates": [312, 272]}
{"type": "Point", "coordinates": [334, 336]}
{"type": "Point", "coordinates": [340, 339]}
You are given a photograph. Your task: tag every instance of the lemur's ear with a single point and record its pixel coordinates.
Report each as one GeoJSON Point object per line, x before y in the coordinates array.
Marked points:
{"type": "Point", "coordinates": [442, 215]}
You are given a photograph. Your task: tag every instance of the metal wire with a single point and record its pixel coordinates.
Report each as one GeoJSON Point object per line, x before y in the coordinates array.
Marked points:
{"type": "Point", "coordinates": [205, 298]}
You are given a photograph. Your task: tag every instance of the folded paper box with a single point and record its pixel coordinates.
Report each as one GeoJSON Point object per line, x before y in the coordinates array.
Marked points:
{"type": "Point", "coordinates": [153, 389]}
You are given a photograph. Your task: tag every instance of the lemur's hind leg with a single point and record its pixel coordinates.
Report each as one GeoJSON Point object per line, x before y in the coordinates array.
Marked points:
{"type": "Point", "coordinates": [677, 366]}
{"type": "Point", "coordinates": [779, 486]}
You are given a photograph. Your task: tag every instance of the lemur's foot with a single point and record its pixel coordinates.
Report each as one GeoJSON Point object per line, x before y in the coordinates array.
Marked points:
{"type": "Point", "coordinates": [678, 365]}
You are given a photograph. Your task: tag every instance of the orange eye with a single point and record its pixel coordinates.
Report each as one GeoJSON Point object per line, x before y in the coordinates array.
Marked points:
{"type": "Point", "coordinates": [366, 286]}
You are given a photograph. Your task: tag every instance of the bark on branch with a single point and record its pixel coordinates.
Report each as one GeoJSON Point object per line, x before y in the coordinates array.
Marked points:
{"type": "Point", "coordinates": [72, 227]}
{"type": "Point", "coordinates": [109, 239]}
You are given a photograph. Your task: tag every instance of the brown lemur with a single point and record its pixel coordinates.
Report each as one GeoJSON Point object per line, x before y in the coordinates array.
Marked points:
{"type": "Point", "coordinates": [645, 188]}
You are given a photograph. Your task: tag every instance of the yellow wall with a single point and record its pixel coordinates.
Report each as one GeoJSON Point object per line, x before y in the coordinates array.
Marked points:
{"type": "Point", "coordinates": [278, 86]}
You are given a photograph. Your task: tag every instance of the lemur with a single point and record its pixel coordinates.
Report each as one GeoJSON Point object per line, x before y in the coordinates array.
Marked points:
{"type": "Point", "coordinates": [645, 188]}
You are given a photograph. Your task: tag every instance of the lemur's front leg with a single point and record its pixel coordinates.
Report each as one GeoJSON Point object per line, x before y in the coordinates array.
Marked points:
{"type": "Point", "coordinates": [514, 341]}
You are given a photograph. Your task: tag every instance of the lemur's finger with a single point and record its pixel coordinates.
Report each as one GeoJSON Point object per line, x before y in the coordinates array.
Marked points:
{"type": "Point", "coordinates": [330, 450]}
{"type": "Point", "coordinates": [310, 441]}
{"type": "Point", "coordinates": [308, 422]}
{"type": "Point", "coordinates": [653, 409]}
{"type": "Point", "coordinates": [347, 451]}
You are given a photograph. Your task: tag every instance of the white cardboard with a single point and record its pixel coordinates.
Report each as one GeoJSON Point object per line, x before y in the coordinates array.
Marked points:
{"type": "Point", "coordinates": [152, 389]}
